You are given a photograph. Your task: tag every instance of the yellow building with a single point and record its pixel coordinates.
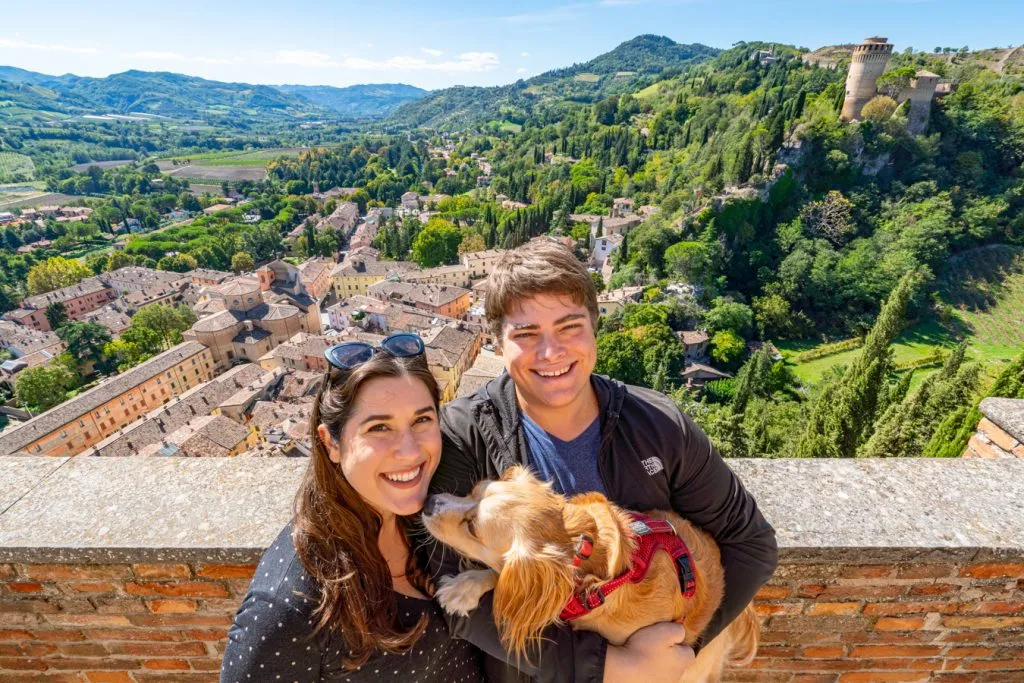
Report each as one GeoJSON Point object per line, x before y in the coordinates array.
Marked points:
{"type": "Point", "coordinates": [92, 416]}
{"type": "Point", "coordinates": [353, 275]}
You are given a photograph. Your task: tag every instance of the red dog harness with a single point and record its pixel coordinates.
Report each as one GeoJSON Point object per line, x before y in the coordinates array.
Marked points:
{"type": "Point", "coordinates": [652, 535]}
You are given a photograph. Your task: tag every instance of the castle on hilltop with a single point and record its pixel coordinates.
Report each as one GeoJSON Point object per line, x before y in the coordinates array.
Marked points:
{"type": "Point", "coordinates": [867, 64]}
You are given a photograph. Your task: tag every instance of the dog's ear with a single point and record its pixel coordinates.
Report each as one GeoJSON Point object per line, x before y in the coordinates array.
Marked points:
{"type": "Point", "coordinates": [533, 586]}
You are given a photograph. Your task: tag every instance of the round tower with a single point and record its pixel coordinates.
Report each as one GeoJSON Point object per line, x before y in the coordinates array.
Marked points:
{"type": "Point", "coordinates": [868, 63]}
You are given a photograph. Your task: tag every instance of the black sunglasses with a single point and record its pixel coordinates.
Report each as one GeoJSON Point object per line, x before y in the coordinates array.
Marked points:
{"type": "Point", "coordinates": [348, 355]}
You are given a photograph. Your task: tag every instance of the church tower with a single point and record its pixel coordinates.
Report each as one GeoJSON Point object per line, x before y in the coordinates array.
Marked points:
{"type": "Point", "coordinates": [868, 63]}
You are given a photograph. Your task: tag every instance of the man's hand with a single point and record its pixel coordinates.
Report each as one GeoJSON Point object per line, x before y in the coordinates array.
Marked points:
{"type": "Point", "coordinates": [654, 653]}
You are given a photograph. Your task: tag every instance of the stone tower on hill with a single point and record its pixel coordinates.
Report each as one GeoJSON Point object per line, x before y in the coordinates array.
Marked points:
{"type": "Point", "coordinates": [920, 93]}
{"type": "Point", "coordinates": [869, 60]}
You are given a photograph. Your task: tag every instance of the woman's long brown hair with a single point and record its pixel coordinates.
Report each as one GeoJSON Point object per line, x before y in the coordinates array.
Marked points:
{"type": "Point", "coordinates": [336, 531]}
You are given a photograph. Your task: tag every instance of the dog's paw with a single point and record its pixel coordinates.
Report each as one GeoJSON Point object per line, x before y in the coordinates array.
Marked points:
{"type": "Point", "coordinates": [460, 594]}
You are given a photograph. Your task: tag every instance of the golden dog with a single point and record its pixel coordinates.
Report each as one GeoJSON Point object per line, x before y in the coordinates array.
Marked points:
{"type": "Point", "coordinates": [526, 535]}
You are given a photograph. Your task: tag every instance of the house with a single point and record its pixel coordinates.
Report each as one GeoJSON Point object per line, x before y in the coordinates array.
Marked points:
{"type": "Point", "coordinates": [358, 311]}
{"type": "Point", "coordinates": [130, 225]}
{"type": "Point", "coordinates": [87, 295]}
{"type": "Point", "coordinates": [252, 216]}
{"type": "Point", "coordinates": [695, 345]}
{"type": "Point", "coordinates": [357, 272]}
{"type": "Point", "coordinates": [698, 374]}
{"type": "Point", "coordinates": [438, 299]}
{"type": "Point", "coordinates": [210, 436]}
{"type": "Point", "coordinates": [480, 263]}
{"type": "Point", "coordinates": [621, 206]}
{"type": "Point", "coordinates": [616, 299]}
{"type": "Point", "coordinates": [457, 275]}
{"type": "Point", "coordinates": [603, 248]}
{"type": "Point", "coordinates": [451, 351]}
{"type": "Point", "coordinates": [6, 217]}
{"type": "Point", "coordinates": [411, 201]}
{"type": "Point", "coordinates": [343, 218]}
{"type": "Point", "coordinates": [755, 346]}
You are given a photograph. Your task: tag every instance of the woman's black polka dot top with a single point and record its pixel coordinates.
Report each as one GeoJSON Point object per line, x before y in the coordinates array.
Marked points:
{"type": "Point", "coordinates": [272, 638]}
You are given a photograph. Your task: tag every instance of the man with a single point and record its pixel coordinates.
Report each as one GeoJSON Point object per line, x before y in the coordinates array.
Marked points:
{"type": "Point", "coordinates": [585, 432]}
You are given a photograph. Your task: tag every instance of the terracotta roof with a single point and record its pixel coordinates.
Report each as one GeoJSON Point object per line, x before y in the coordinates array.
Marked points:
{"type": "Point", "coordinates": [87, 286]}
{"type": "Point", "coordinates": [693, 336]}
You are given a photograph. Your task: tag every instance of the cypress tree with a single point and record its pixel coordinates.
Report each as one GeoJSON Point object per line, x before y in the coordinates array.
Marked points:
{"type": "Point", "coordinates": [846, 409]}
{"type": "Point", "coordinates": [752, 379]}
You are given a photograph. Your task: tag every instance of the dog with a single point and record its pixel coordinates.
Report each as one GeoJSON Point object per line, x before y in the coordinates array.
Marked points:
{"type": "Point", "coordinates": [544, 554]}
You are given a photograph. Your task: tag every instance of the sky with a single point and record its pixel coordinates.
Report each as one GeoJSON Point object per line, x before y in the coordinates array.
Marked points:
{"type": "Point", "coordinates": [439, 44]}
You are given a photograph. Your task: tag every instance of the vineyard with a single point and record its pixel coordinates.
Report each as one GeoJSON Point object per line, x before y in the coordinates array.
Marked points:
{"type": "Point", "coordinates": [16, 168]}
{"type": "Point", "coordinates": [985, 288]}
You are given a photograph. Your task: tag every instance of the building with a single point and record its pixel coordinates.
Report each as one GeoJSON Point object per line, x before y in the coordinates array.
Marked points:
{"type": "Point", "coordinates": [246, 327]}
{"type": "Point", "coordinates": [411, 201]}
{"type": "Point", "coordinates": [209, 436]}
{"type": "Point", "coordinates": [303, 351]}
{"type": "Point", "coordinates": [615, 300]}
{"type": "Point", "coordinates": [113, 316]}
{"type": "Point", "coordinates": [343, 218]}
{"type": "Point", "coordinates": [353, 275]}
{"type": "Point", "coordinates": [451, 351]}
{"type": "Point", "coordinates": [215, 208]}
{"type": "Point", "coordinates": [358, 311]}
{"type": "Point", "coordinates": [90, 417]}
{"type": "Point", "coordinates": [206, 276]}
{"type": "Point", "coordinates": [31, 346]}
{"type": "Point", "coordinates": [480, 263]}
{"type": "Point", "coordinates": [486, 367]}
{"type": "Point", "coordinates": [86, 296]}
{"type": "Point", "coordinates": [920, 93]}
{"type": "Point", "coordinates": [137, 279]}
{"type": "Point", "coordinates": [438, 299]}
{"type": "Point", "coordinates": [695, 345]}
{"type": "Point", "coordinates": [867, 64]}
{"type": "Point", "coordinates": [698, 374]}
{"type": "Point", "coordinates": [303, 286]}
{"type": "Point", "coordinates": [621, 206]}
{"type": "Point", "coordinates": [603, 248]}
{"type": "Point", "coordinates": [451, 276]}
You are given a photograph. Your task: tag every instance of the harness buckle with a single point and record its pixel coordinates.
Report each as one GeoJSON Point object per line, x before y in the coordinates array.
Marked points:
{"type": "Point", "coordinates": [590, 592]}
{"type": "Point", "coordinates": [687, 579]}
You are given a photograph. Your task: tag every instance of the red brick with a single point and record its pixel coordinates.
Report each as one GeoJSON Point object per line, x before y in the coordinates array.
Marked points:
{"type": "Point", "coordinates": [899, 624]}
{"type": "Point", "coordinates": [925, 571]}
{"type": "Point", "coordinates": [59, 635]}
{"type": "Point", "coordinates": [869, 571]}
{"type": "Point", "coordinates": [171, 606]}
{"type": "Point", "coordinates": [166, 664]}
{"type": "Point", "coordinates": [993, 570]}
{"type": "Point", "coordinates": [823, 652]}
{"type": "Point", "coordinates": [18, 664]}
{"type": "Point", "coordinates": [38, 606]}
{"type": "Point", "coordinates": [162, 571]}
{"type": "Point", "coordinates": [996, 607]}
{"type": "Point", "coordinates": [982, 622]}
{"type": "Point", "coordinates": [70, 572]}
{"type": "Point", "coordinates": [157, 649]}
{"type": "Point", "coordinates": [88, 619]}
{"type": "Point", "coordinates": [91, 586]}
{"type": "Point", "coordinates": [10, 634]}
{"type": "Point", "coordinates": [83, 650]}
{"type": "Point", "coordinates": [934, 589]}
{"type": "Point", "coordinates": [889, 608]}
{"type": "Point", "coordinates": [880, 676]}
{"type": "Point", "coordinates": [767, 609]}
{"type": "Point", "coordinates": [196, 620]}
{"type": "Point", "coordinates": [970, 652]}
{"type": "Point", "coordinates": [109, 677]}
{"type": "Point", "coordinates": [134, 634]}
{"type": "Point", "coordinates": [861, 592]}
{"type": "Point", "coordinates": [810, 590]}
{"type": "Point", "coordinates": [816, 608]}
{"type": "Point", "coordinates": [204, 634]}
{"type": "Point", "coordinates": [984, 664]}
{"type": "Point", "coordinates": [192, 589]}
{"type": "Point", "coordinates": [10, 650]}
{"type": "Point", "coordinates": [8, 571]}
{"type": "Point", "coordinates": [772, 593]}
{"type": "Point", "coordinates": [25, 586]}
{"type": "Point", "coordinates": [90, 663]}
{"type": "Point", "coordinates": [226, 571]}
{"type": "Point", "coordinates": [876, 651]}
{"type": "Point", "coordinates": [38, 649]}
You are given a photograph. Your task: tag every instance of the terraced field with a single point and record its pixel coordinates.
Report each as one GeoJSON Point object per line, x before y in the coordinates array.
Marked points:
{"type": "Point", "coordinates": [16, 168]}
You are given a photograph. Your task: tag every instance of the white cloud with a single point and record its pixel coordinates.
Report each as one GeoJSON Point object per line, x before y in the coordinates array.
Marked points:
{"type": "Point", "coordinates": [431, 52]}
{"type": "Point", "coordinates": [464, 63]}
{"type": "Point", "coordinates": [24, 45]}
{"type": "Point", "coordinates": [524, 54]}
{"type": "Point", "coordinates": [157, 56]}
{"type": "Point", "coordinates": [304, 58]}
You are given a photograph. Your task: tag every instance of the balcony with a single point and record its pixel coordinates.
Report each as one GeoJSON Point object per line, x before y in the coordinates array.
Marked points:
{"type": "Point", "coordinates": [130, 569]}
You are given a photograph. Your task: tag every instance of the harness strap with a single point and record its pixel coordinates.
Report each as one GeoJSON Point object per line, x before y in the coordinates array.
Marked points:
{"type": "Point", "coordinates": [652, 535]}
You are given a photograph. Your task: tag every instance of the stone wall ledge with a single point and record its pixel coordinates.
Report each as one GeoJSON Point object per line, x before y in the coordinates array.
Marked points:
{"type": "Point", "coordinates": [89, 510]}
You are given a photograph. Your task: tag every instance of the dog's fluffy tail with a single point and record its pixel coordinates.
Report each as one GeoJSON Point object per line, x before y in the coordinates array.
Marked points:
{"type": "Point", "coordinates": [746, 636]}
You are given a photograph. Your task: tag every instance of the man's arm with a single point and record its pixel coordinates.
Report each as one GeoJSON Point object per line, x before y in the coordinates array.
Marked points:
{"type": "Point", "coordinates": [706, 492]}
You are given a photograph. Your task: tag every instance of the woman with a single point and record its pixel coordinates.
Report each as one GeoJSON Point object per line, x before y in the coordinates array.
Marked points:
{"type": "Point", "coordinates": [338, 596]}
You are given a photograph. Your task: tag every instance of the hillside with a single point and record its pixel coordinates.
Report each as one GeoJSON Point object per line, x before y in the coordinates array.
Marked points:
{"type": "Point", "coordinates": [371, 100]}
{"type": "Point", "coordinates": [611, 73]}
{"type": "Point", "coordinates": [188, 97]}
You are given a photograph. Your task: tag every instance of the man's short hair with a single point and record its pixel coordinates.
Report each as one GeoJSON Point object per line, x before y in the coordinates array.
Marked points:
{"type": "Point", "coordinates": [537, 267]}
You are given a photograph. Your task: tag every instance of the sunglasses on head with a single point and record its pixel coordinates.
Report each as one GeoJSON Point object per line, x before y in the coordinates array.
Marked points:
{"type": "Point", "coordinates": [348, 355]}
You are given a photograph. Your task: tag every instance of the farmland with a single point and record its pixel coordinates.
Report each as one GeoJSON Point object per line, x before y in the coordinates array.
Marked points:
{"type": "Point", "coordinates": [214, 173]}
{"type": "Point", "coordinates": [16, 168]}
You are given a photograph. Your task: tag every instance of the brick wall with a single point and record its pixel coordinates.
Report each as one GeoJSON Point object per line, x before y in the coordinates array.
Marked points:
{"type": "Point", "coordinates": [948, 621]}
{"type": "Point", "coordinates": [117, 622]}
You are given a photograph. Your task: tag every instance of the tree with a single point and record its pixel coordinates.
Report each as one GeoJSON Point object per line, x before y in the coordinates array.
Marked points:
{"type": "Point", "coordinates": [242, 262]}
{"type": "Point", "coordinates": [472, 242]}
{"type": "Point", "coordinates": [879, 108]}
{"type": "Point", "coordinates": [753, 379]}
{"type": "Point", "coordinates": [830, 218]}
{"type": "Point", "coordinates": [146, 340]}
{"type": "Point", "coordinates": [845, 410]}
{"type": "Point", "coordinates": [598, 282]}
{"type": "Point", "coordinates": [56, 314]}
{"type": "Point", "coordinates": [119, 259]}
{"type": "Point", "coordinates": [42, 387]}
{"type": "Point", "coordinates": [85, 341]}
{"type": "Point", "coordinates": [730, 315]}
{"type": "Point", "coordinates": [124, 354]}
{"type": "Point", "coordinates": [166, 321]}
{"type": "Point", "coordinates": [773, 316]}
{"type": "Point", "coordinates": [437, 244]}
{"type": "Point", "coordinates": [54, 273]}
{"type": "Point", "coordinates": [727, 348]}
{"type": "Point", "coordinates": [893, 82]}
{"type": "Point", "coordinates": [620, 355]}
{"type": "Point", "coordinates": [179, 263]}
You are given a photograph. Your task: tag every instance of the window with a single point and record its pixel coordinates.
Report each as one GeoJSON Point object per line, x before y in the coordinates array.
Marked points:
{"type": "Point", "coordinates": [63, 433]}
{"type": "Point", "coordinates": [107, 411]}
{"type": "Point", "coordinates": [81, 423]}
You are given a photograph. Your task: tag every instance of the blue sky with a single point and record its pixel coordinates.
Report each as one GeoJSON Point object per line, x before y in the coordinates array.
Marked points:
{"type": "Point", "coordinates": [437, 44]}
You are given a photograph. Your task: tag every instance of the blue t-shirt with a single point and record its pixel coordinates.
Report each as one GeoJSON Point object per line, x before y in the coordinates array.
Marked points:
{"type": "Point", "coordinates": [571, 466]}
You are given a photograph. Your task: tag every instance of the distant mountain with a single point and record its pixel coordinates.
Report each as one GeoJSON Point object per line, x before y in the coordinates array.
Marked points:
{"type": "Point", "coordinates": [372, 100]}
{"type": "Point", "coordinates": [611, 73]}
{"type": "Point", "coordinates": [179, 96]}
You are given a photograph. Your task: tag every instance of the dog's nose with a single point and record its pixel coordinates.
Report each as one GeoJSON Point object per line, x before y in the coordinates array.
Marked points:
{"type": "Point", "coordinates": [430, 505]}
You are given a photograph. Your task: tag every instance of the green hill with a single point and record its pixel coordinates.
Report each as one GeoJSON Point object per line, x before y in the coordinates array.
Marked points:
{"type": "Point", "coordinates": [620, 70]}
{"type": "Point", "coordinates": [371, 100]}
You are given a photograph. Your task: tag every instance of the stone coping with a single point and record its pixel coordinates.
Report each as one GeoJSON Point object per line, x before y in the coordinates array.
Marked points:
{"type": "Point", "coordinates": [227, 510]}
{"type": "Point", "coordinates": [1008, 413]}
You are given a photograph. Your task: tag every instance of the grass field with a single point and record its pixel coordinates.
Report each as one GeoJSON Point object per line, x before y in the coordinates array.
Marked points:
{"type": "Point", "coordinates": [254, 157]}
{"type": "Point", "coordinates": [587, 78]}
{"type": "Point", "coordinates": [984, 289]}
{"type": "Point", "coordinates": [16, 168]}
